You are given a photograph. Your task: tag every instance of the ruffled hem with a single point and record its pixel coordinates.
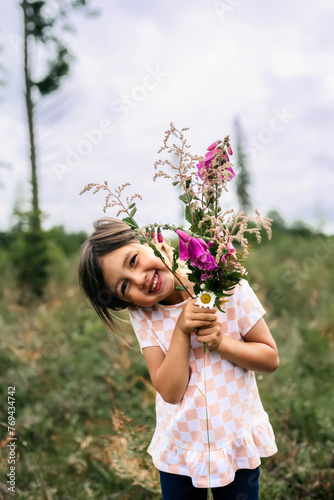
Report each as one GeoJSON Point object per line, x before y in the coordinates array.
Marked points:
{"type": "Point", "coordinates": [220, 469]}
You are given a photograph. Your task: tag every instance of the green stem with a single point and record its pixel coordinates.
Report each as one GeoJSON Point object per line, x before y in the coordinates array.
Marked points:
{"type": "Point", "coordinates": [216, 201]}
{"type": "Point", "coordinates": [185, 190]}
{"type": "Point", "coordinates": [206, 411]}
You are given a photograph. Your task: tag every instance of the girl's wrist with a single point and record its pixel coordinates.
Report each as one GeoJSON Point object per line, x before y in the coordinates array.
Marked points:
{"type": "Point", "coordinates": [181, 338]}
{"type": "Point", "coordinates": [225, 346]}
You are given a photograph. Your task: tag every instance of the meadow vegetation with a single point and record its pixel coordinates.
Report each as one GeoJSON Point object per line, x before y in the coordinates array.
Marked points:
{"type": "Point", "coordinates": [84, 402]}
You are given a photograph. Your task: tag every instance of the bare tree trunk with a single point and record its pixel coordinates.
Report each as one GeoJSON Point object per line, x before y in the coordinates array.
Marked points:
{"type": "Point", "coordinates": [35, 218]}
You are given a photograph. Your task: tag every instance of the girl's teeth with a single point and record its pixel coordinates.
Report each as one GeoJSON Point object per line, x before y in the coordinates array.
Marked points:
{"type": "Point", "coordinates": [155, 282]}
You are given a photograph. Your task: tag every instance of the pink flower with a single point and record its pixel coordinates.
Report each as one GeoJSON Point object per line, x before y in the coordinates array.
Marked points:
{"type": "Point", "coordinates": [231, 248]}
{"type": "Point", "coordinates": [199, 168]}
{"type": "Point", "coordinates": [182, 235]}
{"type": "Point", "coordinates": [183, 250]}
{"type": "Point", "coordinates": [209, 156]}
{"type": "Point", "coordinates": [196, 250]}
{"type": "Point", "coordinates": [200, 256]}
{"type": "Point", "coordinates": [213, 146]}
{"type": "Point", "coordinates": [160, 237]}
{"type": "Point", "coordinates": [232, 172]}
{"type": "Point", "coordinates": [227, 256]}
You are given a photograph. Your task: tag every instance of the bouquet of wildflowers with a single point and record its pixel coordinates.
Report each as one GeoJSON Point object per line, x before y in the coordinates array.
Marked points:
{"type": "Point", "coordinates": [206, 246]}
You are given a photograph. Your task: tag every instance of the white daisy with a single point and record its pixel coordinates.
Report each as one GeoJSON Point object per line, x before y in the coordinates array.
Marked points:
{"type": "Point", "coordinates": [206, 299]}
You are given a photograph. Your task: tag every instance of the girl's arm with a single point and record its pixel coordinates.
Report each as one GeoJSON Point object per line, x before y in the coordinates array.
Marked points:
{"type": "Point", "coordinates": [258, 352]}
{"type": "Point", "coordinates": [170, 373]}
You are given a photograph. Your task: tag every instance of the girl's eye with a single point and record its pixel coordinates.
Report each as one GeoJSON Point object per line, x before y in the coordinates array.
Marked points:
{"type": "Point", "coordinates": [123, 287]}
{"type": "Point", "coordinates": [125, 283]}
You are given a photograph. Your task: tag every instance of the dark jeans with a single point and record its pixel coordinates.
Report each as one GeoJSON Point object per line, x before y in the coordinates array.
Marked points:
{"type": "Point", "coordinates": [244, 487]}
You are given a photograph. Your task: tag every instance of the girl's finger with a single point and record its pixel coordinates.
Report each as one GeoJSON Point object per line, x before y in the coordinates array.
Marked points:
{"type": "Point", "coordinates": [205, 315]}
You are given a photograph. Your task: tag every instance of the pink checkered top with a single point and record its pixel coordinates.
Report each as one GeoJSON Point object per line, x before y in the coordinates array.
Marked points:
{"type": "Point", "coordinates": [239, 428]}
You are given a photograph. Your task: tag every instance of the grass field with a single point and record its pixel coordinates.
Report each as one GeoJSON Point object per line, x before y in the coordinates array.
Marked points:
{"type": "Point", "coordinates": [84, 406]}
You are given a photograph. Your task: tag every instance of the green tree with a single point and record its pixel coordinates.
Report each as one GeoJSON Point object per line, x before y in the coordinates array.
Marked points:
{"type": "Point", "coordinates": [44, 23]}
{"type": "Point", "coordinates": [243, 178]}
{"type": "Point", "coordinates": [3, 82]}
{"type": "Point", "coordinates": [44, 29]}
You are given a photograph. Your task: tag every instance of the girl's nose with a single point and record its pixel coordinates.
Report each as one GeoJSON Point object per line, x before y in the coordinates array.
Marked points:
{"type": "Point", "coordinates": [140, 279]}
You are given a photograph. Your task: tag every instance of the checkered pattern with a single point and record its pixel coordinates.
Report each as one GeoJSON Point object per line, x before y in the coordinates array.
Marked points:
{"type": "Point", "coordinates": [239, 428]}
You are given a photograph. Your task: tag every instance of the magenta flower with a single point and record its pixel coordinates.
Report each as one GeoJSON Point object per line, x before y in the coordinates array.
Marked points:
{"type": "Point", "coordinates": [213, 146]}
{"type": "Point", "coordinates": [160, 237]}
{"type": "Point", "coordinates": [196, 250]}
{"type": "Point", "coordinates": [199, 168]}
{"type": "Point", "coordinates": [232, 172]}
{"type": "Point", "coordinates": [183, 250]}
{"type": "Point", "coordinates": [212, 152]}
{"type": "Point", "coordinates": [182, 235]}
{"type": "Point", "coordinates": [227, 256]}
{"type": "Point", "coordinates": [231, 248]}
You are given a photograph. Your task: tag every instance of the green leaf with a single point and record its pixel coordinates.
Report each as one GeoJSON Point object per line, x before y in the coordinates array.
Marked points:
{"type": "Point", "coordinates": [175, 257]}
{"type": "Point", "coordinates": [175, 183]}
{"type": "Point", "coordinates": [183, 198]}
{"type": "Point", "coordinates": [132, 205]}
{"type": "Point", "coordinates": [133, 224]}
{"type": "Point", "coordinates": [132, 213]}
{"type": "Point", "coordinates": [218, 306]}
{"type": "Point", "coordinates": [188, 215]}
{"type": "Point", "coordinates": [198, 215]}
{"type": "Point", "coordinates": [188, 182]}
{"type": "Point", "coordinates": [181, 288]}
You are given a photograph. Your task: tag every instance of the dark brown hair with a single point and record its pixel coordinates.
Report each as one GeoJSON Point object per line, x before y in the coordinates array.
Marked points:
{"type": "Point", "coordinates": [110, 234]}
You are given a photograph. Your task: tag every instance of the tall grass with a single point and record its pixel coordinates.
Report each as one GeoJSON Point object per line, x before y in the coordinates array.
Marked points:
{"type": "Point", "coordinates": [85, 405]}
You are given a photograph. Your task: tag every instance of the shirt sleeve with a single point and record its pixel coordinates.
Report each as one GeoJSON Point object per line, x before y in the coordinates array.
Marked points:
{"type": "Point", "coordinates": [249, 308]}
{"type": "Point", "coordinates": [143, 330]}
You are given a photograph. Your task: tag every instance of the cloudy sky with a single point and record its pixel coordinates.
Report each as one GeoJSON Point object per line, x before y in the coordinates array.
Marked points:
{"type": "Point", "coordinates": [197, 63]}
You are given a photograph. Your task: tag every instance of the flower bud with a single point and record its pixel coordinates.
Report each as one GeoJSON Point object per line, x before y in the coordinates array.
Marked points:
{"type": "Point", "coordinates": [213, 146]}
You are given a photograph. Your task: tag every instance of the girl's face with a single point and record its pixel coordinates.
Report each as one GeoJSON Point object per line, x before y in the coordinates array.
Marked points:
{"type": "Point", "coordinates": [134, 274]}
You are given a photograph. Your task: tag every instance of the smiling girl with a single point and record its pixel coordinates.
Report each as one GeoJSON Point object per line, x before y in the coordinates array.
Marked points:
{"type": "Point", "coordinates": [116, 271]}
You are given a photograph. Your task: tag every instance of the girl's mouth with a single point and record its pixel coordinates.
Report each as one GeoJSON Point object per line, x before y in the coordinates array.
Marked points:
{"type": "Point", "coordinates": [155, 283]}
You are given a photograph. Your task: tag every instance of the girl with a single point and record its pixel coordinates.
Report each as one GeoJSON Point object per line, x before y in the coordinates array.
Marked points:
{"type": "Point", "coordinates": [211, 428]}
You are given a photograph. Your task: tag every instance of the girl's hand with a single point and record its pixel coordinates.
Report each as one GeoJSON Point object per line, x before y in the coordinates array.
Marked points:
{"type": "Point", "coordinates": [211, 335]}
{"type": "Point", "coordinates": [194, 317]}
